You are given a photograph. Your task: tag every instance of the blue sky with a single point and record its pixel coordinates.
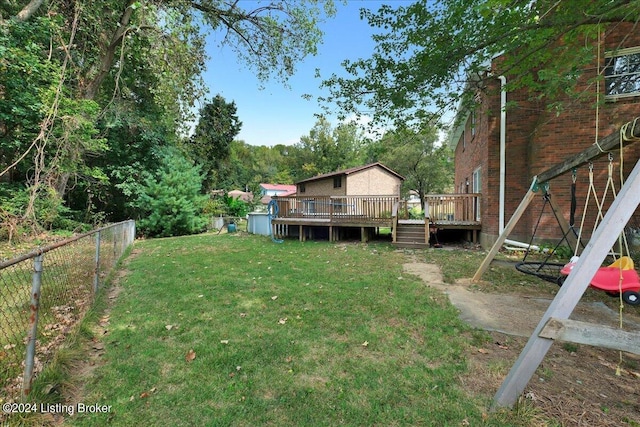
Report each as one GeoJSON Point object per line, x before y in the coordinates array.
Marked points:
{"type": "Point", "coordinates": [279, 115]}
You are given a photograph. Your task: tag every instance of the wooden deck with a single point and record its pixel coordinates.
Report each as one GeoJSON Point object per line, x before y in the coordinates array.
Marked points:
{"type": "Point", "coordinates": [307, 217]}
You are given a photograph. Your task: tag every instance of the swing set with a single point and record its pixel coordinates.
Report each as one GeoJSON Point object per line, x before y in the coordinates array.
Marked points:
{"type": "Point", "coordinates": [581, 272]}
{"type": "Point", "coordinates": [617, 279]}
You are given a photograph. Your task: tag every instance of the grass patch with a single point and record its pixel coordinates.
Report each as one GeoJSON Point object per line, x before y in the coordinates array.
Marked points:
{"type": "Point", "coordinates": [236, 330]}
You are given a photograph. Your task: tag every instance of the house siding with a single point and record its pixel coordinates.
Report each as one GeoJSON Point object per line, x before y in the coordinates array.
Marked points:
{"type": "Point", "coordinates": [536, 140]}
{"type": "Point", "coordinates": [369, 181]}
{"type": "Point", "coordinates": [323, 187]}
{"type": "Point", "coordinates": [372, 182]}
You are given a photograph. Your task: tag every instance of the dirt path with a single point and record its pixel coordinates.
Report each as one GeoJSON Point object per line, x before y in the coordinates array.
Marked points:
{"type": "Point", "coordinates": [509, 314]}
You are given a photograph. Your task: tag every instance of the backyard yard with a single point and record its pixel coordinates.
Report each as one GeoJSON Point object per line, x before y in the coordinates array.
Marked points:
{"type": "Point", "coordinates": [234, 329]}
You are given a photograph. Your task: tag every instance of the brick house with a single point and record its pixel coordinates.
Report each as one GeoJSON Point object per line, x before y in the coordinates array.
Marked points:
{"type": "Point", "coordinates": [498, 151]}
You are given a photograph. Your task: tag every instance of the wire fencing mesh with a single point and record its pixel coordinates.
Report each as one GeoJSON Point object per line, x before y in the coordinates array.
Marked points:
{"type": "Point", "coordinates": [44, 294]}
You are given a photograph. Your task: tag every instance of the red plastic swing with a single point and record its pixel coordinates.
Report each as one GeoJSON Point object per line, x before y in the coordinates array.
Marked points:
{"type": "Point", "coordinates": [608, 279]}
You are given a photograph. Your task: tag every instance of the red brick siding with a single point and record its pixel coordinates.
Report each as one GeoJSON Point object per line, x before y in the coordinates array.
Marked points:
{"type": "Point", "coordinates": [537, 140]}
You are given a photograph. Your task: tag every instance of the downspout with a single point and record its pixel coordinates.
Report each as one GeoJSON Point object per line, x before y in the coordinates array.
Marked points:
{"type": "Point", "coordinates": [503, 166]}
{"type": "Point", "coordinates": [503, 150]}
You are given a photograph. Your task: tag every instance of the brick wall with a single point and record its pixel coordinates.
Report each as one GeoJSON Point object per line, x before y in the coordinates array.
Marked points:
{"type": "Point", "coordinates": [537, 140]}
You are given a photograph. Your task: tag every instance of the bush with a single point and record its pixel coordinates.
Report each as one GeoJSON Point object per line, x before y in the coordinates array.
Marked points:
{"type": "Point", "coordinates": [416, 213]}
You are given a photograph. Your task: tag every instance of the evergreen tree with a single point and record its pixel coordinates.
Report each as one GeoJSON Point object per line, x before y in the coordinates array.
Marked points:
{"type": "Point", "coordinates": [172, 200]}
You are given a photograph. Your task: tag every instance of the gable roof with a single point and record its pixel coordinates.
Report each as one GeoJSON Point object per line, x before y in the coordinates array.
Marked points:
{"type": "Point", "coordinates": [351, 171]}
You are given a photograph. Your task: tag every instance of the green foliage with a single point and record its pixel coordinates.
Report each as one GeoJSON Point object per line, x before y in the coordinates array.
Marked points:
{"type": "Point", "coordinates": [236, 207]}
{"type": "Point", "coordinates": [112, 84]}
{"type": "Point", "coordinates": [428, 54]}
{"type": "Point", "coordinates": [49, 211]}
{"type": "Point", "coordinates": [25, 79]}
{"type": "Point", "coordinates": [171, 200]}
{"type": "Point", "coordinates": [211, 140]}
{"type": "Point", "coordinates": [416, 212]}
{"type": "Point", "coordinates": [426, 166]}
{"type": "Point", "coordinates": [327, 149]}
{"type": "Point", "coordinates": [226, 205]}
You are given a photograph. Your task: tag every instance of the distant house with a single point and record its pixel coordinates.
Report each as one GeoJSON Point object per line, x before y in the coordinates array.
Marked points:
{"type": "Point", "coordinates": [336, 205]}
{"type": "Point", "coordinates": [374, 179]}
{"type": "Point", "coordinates": [269, 190]}
{"type": "Point", "coordinates": [498, 151]}
{"type": "Point", "coordinates": [245, 196]}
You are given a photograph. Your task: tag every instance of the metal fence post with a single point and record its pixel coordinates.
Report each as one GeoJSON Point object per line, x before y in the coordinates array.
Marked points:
{"type": "Point", "coordinates": [36, 285]}
{"type": "Point", "coordinates": [96, 275]}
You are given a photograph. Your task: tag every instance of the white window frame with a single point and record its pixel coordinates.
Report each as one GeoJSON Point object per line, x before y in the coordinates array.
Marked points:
{"type": "Point", "coordinates": [623, 72]}
{"type": "Point", "coordinates": [476, 182]}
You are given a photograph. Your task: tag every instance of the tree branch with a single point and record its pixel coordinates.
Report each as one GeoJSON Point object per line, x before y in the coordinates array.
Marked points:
{"type": "Point", "coordinates": [28, 11]}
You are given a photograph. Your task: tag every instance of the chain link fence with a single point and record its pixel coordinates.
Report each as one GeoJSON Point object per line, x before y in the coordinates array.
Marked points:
{"type": "Point", "coordinates": [43, 295]}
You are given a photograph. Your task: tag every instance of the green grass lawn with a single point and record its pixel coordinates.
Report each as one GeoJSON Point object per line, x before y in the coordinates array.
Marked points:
{"type": "Point", "coordinates": [218, 330]}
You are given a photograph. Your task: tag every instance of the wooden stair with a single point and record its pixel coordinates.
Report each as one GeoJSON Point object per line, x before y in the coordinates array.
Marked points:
{"type": "Point", "coordinates": [410, 235]}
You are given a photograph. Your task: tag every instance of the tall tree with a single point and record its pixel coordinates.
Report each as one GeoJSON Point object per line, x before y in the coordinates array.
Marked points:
{"type": "Point", "coordinates": [426, 165]}
{"type": "Point", "coordinates": [428, 53]}
{"type": "Point", "coordinates": [125, 56]}
{"type": "Point", "coordinates": [211, 140]}
{"type": "Point", "coordinates": [326, 149]}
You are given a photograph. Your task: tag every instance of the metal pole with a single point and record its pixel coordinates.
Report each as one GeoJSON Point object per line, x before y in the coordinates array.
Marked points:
{"type": "Point", "coordinates": [96, 274]}
{"type": "Point", "coordinates": [36, 285]}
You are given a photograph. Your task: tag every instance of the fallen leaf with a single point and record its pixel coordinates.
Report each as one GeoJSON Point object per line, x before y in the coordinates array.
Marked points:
{"type": "Point", "coordinates": [224, 341]}
{"type": "Point", "coordinates": [144, 395]}
{"type": "Point", "coordinates": [282, 321]}
{"type": "Point", "coordinates": [169, 327]}
{"type": "Point", "coordinates": [483, 351]}
{"type": "Point", "coordinates": [365, 344]}
{"type": "Point", "coordinates": [190, 356]}
{"type": "Point", "coordinates": [275, 297]}
{"type": "Point", "coordinates": [243, 315]}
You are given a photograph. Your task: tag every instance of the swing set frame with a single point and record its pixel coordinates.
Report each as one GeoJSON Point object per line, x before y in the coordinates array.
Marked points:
{"type": "Point", "coordinates": [555, 321]}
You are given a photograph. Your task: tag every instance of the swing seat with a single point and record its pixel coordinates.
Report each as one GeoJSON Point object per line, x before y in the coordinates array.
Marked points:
{"type": "Point", "coordinates": [608, 278]}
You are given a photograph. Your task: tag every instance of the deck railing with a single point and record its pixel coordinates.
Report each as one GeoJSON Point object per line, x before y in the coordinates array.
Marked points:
{"type": "Point", "coordinates": [337, 208]}
{"type": "Point", "coordinates": [453, 207]}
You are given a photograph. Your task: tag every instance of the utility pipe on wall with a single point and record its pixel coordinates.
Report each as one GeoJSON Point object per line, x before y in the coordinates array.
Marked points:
{"type": "Point", "coordinates": [503, 166]}
{"type": "Point", "coordinates": [503, 150]}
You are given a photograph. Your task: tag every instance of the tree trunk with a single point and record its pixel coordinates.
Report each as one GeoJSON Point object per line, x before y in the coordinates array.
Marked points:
{"type": "Point", "coordinates": [29, 10]}
{"type": "Point", "coordinates": [106, 62]}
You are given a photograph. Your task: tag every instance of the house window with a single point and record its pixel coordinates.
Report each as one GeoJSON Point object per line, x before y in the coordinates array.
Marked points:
{"type": "Point", "coordinates": [303, 188]}
{"type": "Point", "coordinates": [622, 72]}
{"type": "Point", "coordinates": [477, 188]}
{"type": "Point", "coordinates": [473, 124]}
{"type": "Point", "coordinates": [337, 182]}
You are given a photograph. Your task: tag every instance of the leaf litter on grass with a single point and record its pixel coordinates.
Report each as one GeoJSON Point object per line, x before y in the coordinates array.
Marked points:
{"type": "Point", "coordinates": [319, 372]}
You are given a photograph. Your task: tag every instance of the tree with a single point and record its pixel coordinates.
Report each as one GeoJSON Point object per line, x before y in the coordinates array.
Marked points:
{"type": "Point", "coordinates": [327, 149]}
{"type": "Point", "coordinates": [133, 68]}
{"type": "Point", "coordinates": [171, 202]}
{"type": "Point", "coordinates": [210, 143]}
{"type": "Point", "coordinates": [426, 166]}
{"type": "Point", "coordinates": [429, 55]}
